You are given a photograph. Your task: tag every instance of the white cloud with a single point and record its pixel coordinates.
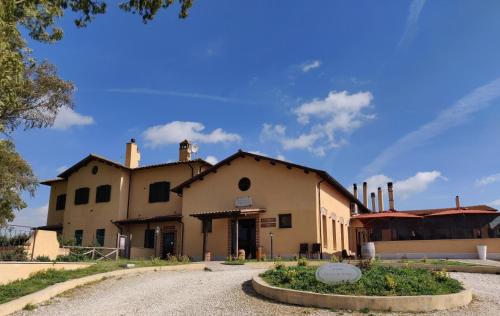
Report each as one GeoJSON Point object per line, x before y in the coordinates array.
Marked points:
{"type": "Point", "coordinates": [452, 116]}
{"type": "Point", "coordinates": [416, 7]}
{"type": "Point", "coordinates": [212, 159]}
{"type": "Point", "coordinates": [308, 66]}
{"type": "Point", "coordinates": [67, 118]}
{"type": "Point", "coordinates": [281, 157]}
{"type": "Point", "coordinates": [338, 112]}
{"type": "Point", "coordinates": [32, 216]}
{"type": "Point", "coordinates": [487, 180]}
{"type": "Point", "coordinates": [176, 131]}
{"type": "Point", "coordinates": [406, 187]}
{"type": "Point", "coordinates": [495, 203]}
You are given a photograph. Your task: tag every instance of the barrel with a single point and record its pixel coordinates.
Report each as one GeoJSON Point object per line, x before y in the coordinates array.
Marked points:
{"type": "Point", "coordinates": [368, 250]}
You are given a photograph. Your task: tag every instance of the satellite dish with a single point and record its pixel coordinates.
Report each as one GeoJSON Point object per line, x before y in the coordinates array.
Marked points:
{"type": "Point", "coordinates": [195, 148]}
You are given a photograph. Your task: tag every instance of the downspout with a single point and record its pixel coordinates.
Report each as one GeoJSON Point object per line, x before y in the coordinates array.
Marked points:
{"type": "Point", "coordinates": [128, 193]}
{"type": "Point", "coordinates": [320, 221]}
{"type": "Point", "coordinates": [182, 239]}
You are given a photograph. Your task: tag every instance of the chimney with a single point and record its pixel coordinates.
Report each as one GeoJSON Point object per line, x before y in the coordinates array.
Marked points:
{"type": "Point", "coordinates": [380, 200]}
{"type": "Point", "coordinates": [355, 193]}
{"type": "Point", "coordinates": [391, 196]}
{"type": "Point", "coordinates": [365, 194]}
{"type": "Point", "coordinates": [185, 150]}
{"type": "Point", "coordinates": [457, 201]}
{"type": "Point", "coordinates": [132, 155]}
{"type": "Point", "coordinates": [374, 209]}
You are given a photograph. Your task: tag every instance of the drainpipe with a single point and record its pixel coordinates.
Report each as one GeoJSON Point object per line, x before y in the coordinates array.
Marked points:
{"type": "Point", "coordinates": [128, 194]}
{"type": "Point", "coordinates": [182, 239]}
{"type": "Point", "coordinates": [320, 221]}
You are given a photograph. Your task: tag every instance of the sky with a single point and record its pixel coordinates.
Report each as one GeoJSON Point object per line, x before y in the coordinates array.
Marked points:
{"type": "Point", "coordinates": [402, 91]}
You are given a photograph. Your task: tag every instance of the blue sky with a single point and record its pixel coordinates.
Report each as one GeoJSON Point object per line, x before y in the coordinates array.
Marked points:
{"type": "Point", "coordinates": [400, 90]}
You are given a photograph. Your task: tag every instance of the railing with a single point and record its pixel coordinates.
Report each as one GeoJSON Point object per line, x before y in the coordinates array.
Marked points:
{"type": "Point", "coordinates": [94, 253]}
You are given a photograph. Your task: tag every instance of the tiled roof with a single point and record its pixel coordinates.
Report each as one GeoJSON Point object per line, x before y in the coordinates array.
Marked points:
{"type": "Point", "coordinates": [50, 181]}
{"type": "Point", "coordinates": [464, 212]}
{"type": "Point", "coordinates": [174, 163]}
{"type": "Point", "coordinates": [437, 210]}
{"type": "Point", "coordinates": [386, 214]}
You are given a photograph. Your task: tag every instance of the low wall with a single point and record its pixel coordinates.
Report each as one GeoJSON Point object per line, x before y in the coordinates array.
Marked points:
{"type": "Point", "coordinates": [43, 243]}
{"type": "Point", "coordinates": [11, 271]}
{"type": "Point", "coordinates": [421, 303]}
{"type": "Point", "coordinates": [144, 253]}
{"type": "Point", "coordinates": [437, 249]}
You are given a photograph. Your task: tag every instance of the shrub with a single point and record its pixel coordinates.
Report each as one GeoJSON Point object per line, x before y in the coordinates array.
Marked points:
{"type": "Point", "coordinates": [43, 259]}
{"type": "Point", "coordinates": [365, 264]}
{"type": "Point", "coordinates": [376, 281]}
{"type": "Point", "coordinates": [17, 254]}
{"type": "Point", "coordinates": [72, 257]}
{"type": "Point", "coordinates": [172, 259]}
{"type": "Point", "coordinates": [29, 307]}
{"type": "Point", "coordinates": [441, 275]}
{"type": "Point", "coordinates": [156, 261]}
{"type": "Point", "coordinates": [278, 265]}
{"type": "Point", "coordinates": [302, 262]}
{"type": "Point", "coordinates": [334, 259]}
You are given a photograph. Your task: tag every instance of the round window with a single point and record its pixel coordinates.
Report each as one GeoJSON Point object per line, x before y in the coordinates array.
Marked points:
{"type": "Point", "coordinates": [244, 184]}
{"type": "Point", "coordinates": [95, 169]}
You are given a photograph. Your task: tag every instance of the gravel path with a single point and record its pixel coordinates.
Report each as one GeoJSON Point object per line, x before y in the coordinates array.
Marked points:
{"type": "Point", "coordinates": [226, 292]}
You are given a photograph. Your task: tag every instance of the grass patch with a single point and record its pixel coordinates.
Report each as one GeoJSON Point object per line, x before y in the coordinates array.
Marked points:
{"type": "Point", "coordinates": [43, 279]}
{"type": "Point", "coordinates": [234, 262]}
{"type": "Point", "coordinates": [376, 280]}
{"type": "Point", "coordinates": [29, 307]}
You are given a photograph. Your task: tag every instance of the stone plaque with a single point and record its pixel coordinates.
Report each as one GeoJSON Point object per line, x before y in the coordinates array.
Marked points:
{"type": "Point", "coordinates": [335, 273]}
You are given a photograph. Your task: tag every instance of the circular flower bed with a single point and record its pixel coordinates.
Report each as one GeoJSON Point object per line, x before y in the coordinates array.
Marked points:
{"type": "Point", "coordinates": [376, 280]}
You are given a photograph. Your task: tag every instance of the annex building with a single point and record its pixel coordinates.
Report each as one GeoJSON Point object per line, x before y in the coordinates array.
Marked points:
{"type": "Point", "coordinates": [265, 206]}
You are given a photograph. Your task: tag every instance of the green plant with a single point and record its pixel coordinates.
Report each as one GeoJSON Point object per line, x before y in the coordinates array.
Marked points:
{"type": "Point", "coordinates": [172, 259]}
{"type": "Point", "coordinates": [302, 262]}
{"type": "Point", "coordinates": [43, 259]}
{"type": "Point", "coordinates": [390, 283]}
{"type": "Point", "coordinates": [334, 259]}
{"type": "Point", "coordinates": [17, 254]}
{"type": "Point", "coordinates": [424, 260]}
{"type": "Point", "coordinates": [279, 265]}
{"type": "Point", "coordinates": [365, 264]}
{"type": "Point", "coordinates": [156, 261]}
{"type": "Point", "coordinates": [29, 307]}
{"type": "Point", "coordinates": [263, 257]}
{"type": "Point", "coordinates": [441, 275]}
{"type": "Point", "coordinates": [364, 310]}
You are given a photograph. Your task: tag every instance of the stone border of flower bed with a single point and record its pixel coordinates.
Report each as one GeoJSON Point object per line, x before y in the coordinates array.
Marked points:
{"type": "Point", "coordinates": [421, 303]}
{"type": "Point", "coordinates": [53, 290]}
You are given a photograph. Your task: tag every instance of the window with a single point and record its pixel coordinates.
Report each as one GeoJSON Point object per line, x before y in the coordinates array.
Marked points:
{"type": "Point", "coordinates": [149, 238]}
{"type": "Point", "coordinates": [159, 192]}
{"type": "Point", "coordinates": [78, 237]}
{"type": "Point", "coordinates": [95, 169]}
{"type": "Point", "coordinates": [244, 184]}
{"type": "Point", "coordinates": [285, 220]}
{"type": "Point", "coordinates": [99, 236]}
{"type": "Point", "coordinates": [334, 233]}
{"type": "Point", "coordinates": [208, 223]}
{"type": "Point", "coordinates": [82, 196]}
{"type": "Point", "coordinates": [103, 193]}
{"type": "Point", "coordinates": [61, 202]}
{"type": "Point", "coordinates": [325, 231]}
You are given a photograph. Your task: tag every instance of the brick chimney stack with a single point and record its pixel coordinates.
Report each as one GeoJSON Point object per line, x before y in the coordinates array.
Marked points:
{"type": "Point", "coordinates": [132, 155]}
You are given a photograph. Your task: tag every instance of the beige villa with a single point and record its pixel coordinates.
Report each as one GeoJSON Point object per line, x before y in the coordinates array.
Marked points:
{"type": "Point", "coordinates": [249, 202]}
{"type": "Point", "coordinates": [262, 205]}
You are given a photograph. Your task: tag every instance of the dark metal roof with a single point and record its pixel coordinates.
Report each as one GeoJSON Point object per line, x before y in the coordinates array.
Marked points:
{"type": "Point", "coordinates": [138, 220]}
{"type": "Point", "coordinates": [50, 227]}
{"type": "Point", "coordinates": [227, 213]}
{"type": "Point", "coordinates": [91, 157]}
{"type": "Point", "coordinates": [240, 154]}
{"type": "Point", "coordinates": [174, 163]}
{"type": "Point", "coordinates": [50, 181]}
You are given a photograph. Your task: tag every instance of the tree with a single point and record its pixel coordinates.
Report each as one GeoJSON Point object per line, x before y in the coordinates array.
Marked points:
{"type": "Point", "coordinates": [16, 176]}
{"type": "Point", "coordinates": [31, 92]}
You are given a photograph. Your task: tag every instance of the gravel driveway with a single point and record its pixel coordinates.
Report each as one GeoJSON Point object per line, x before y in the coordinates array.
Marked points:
{"type": "Point", "coordinates": [226, 292]}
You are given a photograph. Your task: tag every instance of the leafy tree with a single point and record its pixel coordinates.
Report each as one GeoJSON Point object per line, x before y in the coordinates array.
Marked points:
{"type": "Point", "coordinates": [31, 92]}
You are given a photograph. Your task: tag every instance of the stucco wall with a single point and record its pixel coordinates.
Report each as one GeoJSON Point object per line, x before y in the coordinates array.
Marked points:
{"type": "Point", "coordinates": [11, 271]}
{"type": "Point", "coordinates": [56, 217]}
{"type": "Point", "coordinates": [442, 248]}
{"type": "Point", "coordinates": [92, 216]}
{"type": "Point", "coordinates": [274, 187]}
{"type": "Point", "coordinates": [336, 207]}
{"type": "Point", "coordinates": [137, 232]}
{"type": "Point", "coordinates": [43, 243]}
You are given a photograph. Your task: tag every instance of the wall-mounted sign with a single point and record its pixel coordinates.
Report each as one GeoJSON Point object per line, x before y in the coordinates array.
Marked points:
{"type": "Point", "coordinates": [335, 273]}
{"type": "Point", "coordinates": [268, 222]}
{"type": "Point", "coordinates": [243, 201]}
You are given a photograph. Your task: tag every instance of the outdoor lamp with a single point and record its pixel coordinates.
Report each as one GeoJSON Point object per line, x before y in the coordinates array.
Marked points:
{"type": "Point", "coordinates": [271, 235]}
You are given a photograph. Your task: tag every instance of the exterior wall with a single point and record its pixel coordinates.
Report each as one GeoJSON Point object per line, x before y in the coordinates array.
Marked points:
{"type": "Point", "coordinates": [274, 187]}
{"type": "Point", "coordinates": [142, 178]}
{"type": "Point", "coordinates": [56, 217]}
{"type": "Point", "coordinates": [337, 208]}
{"type": "Point", "coordinates": [441, 248]}
{"type": "Point", "coordinates": [43, 243]}
{"type": "Point", "coordinates": [137, 232]}
{"type": "Point", "coordinates": [92, 216]}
